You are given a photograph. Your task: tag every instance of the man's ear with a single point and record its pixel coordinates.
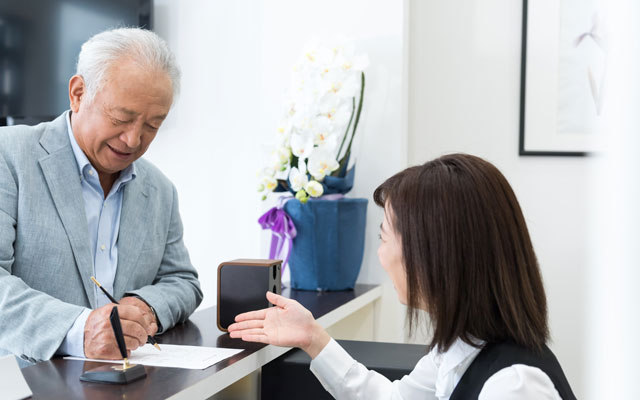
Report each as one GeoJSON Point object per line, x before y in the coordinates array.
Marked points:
{"type": "Point", "coordinates": [77, 90]}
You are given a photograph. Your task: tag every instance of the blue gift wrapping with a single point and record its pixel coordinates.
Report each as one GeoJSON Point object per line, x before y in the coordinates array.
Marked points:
{"type": "Point", "coordinates": [329, 246]}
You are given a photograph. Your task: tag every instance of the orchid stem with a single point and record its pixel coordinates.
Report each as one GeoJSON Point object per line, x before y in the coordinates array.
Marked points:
{"type": "Point", "coordinates": [346, 133]}
{"type": "Point", "coordinates": [355, 125]}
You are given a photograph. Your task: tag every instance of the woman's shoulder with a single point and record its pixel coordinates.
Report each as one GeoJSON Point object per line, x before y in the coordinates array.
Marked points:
{"type": "Point", "coordinates": [519, 381]}
{"type": "Point", "coordinates": [509, 370]}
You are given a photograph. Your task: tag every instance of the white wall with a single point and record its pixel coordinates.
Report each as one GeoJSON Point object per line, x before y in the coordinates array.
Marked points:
{"type": "Point", "coordinates": [614, 321]}
{"type": "Point", "coordinates": [463, 95]}
{"type": "Point", "coordinates": [464, 80]}
{"type": "Point", "coordinates": [236, 58]}
{"type": "Point", "coordinates": [207, 144]}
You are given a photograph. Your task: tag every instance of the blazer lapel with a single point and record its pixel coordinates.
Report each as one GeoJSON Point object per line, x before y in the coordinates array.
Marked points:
{"type": "Point", "coordinates": [60, 171]}
{"type": "Point", "coordinates": [132, 233]}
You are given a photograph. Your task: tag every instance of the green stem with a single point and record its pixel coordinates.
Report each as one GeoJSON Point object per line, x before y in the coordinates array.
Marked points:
{"type": "Point", "coordinates": [355, 125]}
{"type": "Point", "coordinates": [346, 133]}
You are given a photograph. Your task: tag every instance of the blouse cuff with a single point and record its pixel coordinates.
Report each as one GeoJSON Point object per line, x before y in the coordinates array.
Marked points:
{"type": "Point", "coordinates": [331, 365]}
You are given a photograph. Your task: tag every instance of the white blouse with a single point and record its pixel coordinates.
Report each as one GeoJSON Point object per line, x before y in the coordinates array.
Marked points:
{"type": "Point", "coordinates": [434, 377]}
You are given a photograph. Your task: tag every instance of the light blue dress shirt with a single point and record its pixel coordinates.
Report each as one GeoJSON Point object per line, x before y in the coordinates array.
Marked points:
{"type": "Point", "coordinates": [103, 219]}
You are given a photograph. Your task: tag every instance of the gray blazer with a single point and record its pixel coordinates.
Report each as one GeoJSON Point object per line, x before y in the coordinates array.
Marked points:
{"type": "Point", "coordinates": [45, 256]}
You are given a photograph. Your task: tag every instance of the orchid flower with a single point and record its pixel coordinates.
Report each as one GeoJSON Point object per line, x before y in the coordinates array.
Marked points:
{"type": "Point", "coordinates": [324, 133]}
{"type": "Point", "coordinates": [314, 189]}
{"type": "Point", "coordinates": [283, 133]}
{"type": "Point", "coordinates": [319, 118]}
{"type": "Point", "coordinates": [279, 159]}
{"type": "Point", "coordinates": [267, 183]}
{"type": "Point", "coordinates": [301, 144]}
{"type": "Point", "coordinates": [322, 163]}
{"type": "Point", "coordinates": [298, 177]}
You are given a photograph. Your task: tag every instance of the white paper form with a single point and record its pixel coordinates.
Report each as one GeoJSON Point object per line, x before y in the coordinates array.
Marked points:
{"type": "Point", "coordinates": [174, 356]}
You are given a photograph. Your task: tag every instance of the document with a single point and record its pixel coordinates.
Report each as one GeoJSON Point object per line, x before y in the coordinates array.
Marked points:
{"type": "Point", "coordinates": [174, 356]}
{"type": "Point", "coordinates": [11, 380]}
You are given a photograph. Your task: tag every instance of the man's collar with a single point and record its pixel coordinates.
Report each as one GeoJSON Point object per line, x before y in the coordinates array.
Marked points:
{"type": "Point", "coordinates": [81, 158]}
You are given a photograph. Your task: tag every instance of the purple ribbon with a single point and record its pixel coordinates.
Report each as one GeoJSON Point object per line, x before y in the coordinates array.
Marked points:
{"type": "Point", "coordinates": [283, 232]}
{"type": "Point", "coordinates": [283, 229]}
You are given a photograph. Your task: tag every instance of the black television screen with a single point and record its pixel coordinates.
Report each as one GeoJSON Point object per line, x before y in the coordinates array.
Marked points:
{"type": "Point", "coordinates": [39, 45]}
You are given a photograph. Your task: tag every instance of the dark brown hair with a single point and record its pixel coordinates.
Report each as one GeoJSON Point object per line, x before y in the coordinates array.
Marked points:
{"type": "Point", "coordinates": [467, 253]}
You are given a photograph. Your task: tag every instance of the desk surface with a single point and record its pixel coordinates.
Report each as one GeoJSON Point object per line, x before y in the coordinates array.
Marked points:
{"type": "Point", "coordinates": [59, 379]}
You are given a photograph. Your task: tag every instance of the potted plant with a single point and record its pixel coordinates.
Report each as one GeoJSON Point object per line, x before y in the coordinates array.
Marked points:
{"type": "Point", "coordinates": [316, 229]}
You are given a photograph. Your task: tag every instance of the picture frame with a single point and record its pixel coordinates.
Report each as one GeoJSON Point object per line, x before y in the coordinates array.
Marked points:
{"type": "Point", "coordinates": [562, 78]}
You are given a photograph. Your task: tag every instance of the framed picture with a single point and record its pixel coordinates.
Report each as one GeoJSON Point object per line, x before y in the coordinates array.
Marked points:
{"type": "Point", "coordinates": [564, 57]}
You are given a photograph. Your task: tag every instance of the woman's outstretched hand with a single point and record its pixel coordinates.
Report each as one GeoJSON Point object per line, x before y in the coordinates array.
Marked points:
{"type": "Point", "coordinates": [287, 324]}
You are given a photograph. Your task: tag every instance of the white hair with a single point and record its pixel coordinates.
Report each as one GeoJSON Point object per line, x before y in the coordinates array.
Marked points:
{"type": "Point", "coordinates": [104, 49]}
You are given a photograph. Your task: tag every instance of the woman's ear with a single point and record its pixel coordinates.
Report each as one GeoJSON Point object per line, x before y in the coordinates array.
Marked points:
{"type": "Point", "coordinates": [77, 89]}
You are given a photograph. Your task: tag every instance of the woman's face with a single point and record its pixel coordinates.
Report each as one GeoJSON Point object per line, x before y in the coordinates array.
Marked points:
{"type": "Point", "coordinates": [390, 255]}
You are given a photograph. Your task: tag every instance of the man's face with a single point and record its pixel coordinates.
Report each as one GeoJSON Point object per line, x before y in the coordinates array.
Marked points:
{"type": "Point", "coordinates": [117, 127]}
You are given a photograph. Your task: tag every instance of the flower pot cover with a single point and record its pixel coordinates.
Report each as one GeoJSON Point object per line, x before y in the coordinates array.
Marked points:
{"type": "Point", "coordinates": [328, 249]}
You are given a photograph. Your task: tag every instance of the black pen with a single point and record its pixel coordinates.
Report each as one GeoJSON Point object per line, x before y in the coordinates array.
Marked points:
{"type": "Point", "coordinates": [114, 318]}
{"type": "Point", "coordinates": [150, 338]}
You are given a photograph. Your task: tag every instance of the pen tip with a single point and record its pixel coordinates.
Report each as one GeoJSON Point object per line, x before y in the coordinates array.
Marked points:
{"type": "Point", "coordinates": [95, 281]}
{"type": "Point", "coordinates": [157, 347]}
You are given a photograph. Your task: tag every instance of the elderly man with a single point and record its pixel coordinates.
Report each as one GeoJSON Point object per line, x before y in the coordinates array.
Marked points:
{"type": "Point", "coordinates": [77, 201]}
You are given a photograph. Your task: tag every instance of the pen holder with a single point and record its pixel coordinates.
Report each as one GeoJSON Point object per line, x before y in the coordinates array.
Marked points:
{"type": "Point", "coordinates": [117, 374]}
{"type": "Point", "coordinates": [120, 374]}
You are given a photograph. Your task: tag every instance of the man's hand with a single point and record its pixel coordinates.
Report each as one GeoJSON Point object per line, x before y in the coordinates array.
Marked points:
{"type": "Point", "coordinates": [148, 314]}
{"type": "Point", "coordinates": [137, 323]}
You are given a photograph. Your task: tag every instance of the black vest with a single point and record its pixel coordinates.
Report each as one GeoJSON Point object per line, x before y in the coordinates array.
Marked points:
{"type": "Point", "coordinates": [494, 357]}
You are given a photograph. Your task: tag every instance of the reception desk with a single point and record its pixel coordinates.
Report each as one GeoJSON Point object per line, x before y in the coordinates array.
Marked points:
{"type": "Point", "coordinates": [59, 378]}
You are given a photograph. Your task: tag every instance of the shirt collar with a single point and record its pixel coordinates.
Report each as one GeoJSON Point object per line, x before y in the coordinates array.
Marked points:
{"type": "Point", "coordinates": [81, 158]}
{"type": "Point", "coordinates": [456, 355]}
{"type": "Point", "coordinates": [460, 354]}
{"type": "Point", "coordinates": [126, 175]}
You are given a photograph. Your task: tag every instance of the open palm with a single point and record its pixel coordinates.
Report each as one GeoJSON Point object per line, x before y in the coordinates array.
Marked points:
{"type": "Point", "coordinates": [287, 324]}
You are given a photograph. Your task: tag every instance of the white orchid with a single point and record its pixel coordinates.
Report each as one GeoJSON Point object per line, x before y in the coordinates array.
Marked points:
{"type": "Point", "coordinates": [319, 117]}
{"type": "Point", "coordinates": [325, 140]}
{"type": "Point", "coordinates": [269, 182]}
{"type": "Point", "coordinates": [335, 111]}
{"type": "Point", "coordinates": [283, 133]}
{"type": "Point", "coordinates": [325, 134]}
{"type": "Point", "coordinates": [266, 171]}
{"type": "Point", "coordinates": [298, 177]}
{"type": "Point", "coordinates": [322, 163]}
{"type": "Point", "coordinates": [314, 188]}
{"type": "Point", "coordinates": [283, 155]}
{"type": "Point", "coordinates": [352, 62]}
{"type": "Point", "coordinates": [340, 82]}
{"type": "Point", "coordinates": [279, 159]}
{"type": "Point", "coordinates": [302, 144]}
{"type": "Point", "coordinates": [267, 185]}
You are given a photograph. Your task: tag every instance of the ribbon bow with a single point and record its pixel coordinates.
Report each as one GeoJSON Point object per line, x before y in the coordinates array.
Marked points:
{"type": "Point", "coordinates": [283, 232]}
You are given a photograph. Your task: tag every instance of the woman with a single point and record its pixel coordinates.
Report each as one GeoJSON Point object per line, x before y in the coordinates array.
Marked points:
{"type": "Point", "coordinates": [455, 244]}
